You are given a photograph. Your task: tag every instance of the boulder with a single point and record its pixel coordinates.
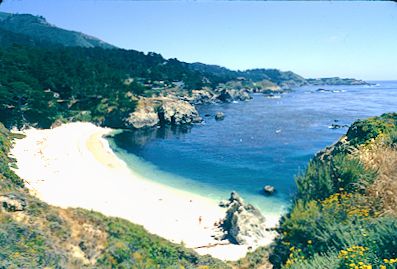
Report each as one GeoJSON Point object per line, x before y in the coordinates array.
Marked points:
{"type": "Point", "coordinates": [12, 203]}
{"type": "Point", "coordinates": [269, 189]}
{"type": "Point", "coordinates": [243, 224]}
{"type": "Point", "coordinates": [219, 116]}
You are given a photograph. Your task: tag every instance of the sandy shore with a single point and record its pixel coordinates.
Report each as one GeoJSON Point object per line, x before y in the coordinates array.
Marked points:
{"type": "Point", "coordinates": [73, 166]}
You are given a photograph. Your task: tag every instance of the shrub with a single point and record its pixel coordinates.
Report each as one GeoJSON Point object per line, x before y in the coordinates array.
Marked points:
{"type": "Point", "coordinates": [363, 131]}
{"type": "Point", "coordinates": [325, 177]}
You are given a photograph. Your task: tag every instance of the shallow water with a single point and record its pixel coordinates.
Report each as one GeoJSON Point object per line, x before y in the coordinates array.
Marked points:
{"type": "Point", "coordinates": [262, 141]}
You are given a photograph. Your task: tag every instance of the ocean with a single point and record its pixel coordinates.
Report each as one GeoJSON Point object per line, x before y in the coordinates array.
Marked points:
{"type": "Point", "coordinates": [264, 141]}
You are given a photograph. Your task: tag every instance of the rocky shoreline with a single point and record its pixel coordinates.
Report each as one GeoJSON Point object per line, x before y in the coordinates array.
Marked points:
{"type": "Point", "coordinates": [181, 110]}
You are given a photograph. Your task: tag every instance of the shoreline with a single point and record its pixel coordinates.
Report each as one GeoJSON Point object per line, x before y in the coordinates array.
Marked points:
{"type": "Point", "coordinates": [74, 166]}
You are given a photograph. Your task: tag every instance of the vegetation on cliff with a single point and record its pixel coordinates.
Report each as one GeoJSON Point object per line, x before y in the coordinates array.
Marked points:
{"type": "Point", "coordinates": [51, 74]}
{"type": "Point", "coordinates": [344, 213]}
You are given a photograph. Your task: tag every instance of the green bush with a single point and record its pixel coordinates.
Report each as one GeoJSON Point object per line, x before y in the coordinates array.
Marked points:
{"type": "Point", "coordinates": [323, 178]}
{"type": "Point", "coordinates": [8, 179]}
{"type": "Point", "coordinates": [363, 131]}
{"type": "Point", "coordinates": [324, 261]}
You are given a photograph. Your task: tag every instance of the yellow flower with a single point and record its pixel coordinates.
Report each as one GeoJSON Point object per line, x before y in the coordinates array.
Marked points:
{"type": "Point", "coordinates": [309, 242]}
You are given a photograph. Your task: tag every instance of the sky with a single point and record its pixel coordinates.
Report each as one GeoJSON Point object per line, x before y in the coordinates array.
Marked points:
{"type": "Point", "coordinates": [314, 39]}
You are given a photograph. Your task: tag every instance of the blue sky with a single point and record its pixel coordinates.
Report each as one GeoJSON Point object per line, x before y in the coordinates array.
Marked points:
{"type": "Point", "coordinates": [314, 39]}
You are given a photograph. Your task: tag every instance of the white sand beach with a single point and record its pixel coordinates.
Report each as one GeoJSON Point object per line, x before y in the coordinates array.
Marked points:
{"type": "Point", "coordinates": [73, 166]}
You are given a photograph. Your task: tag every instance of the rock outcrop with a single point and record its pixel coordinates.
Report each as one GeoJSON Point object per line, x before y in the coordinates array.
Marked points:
{"type": "Point", "coordinates": [244, 224]}
{"type": "Point", "coordinates": [12, 203]}
{"type": "Point", "coordinates": [204, 96]}
{"type": "Point", "coordinates": [229, 95]}
{"type": "Point", "coordinates": [178, 112]}
{"type": "Point", "coordinates": [218, 95]}
{"type": "Point", "coordinates": [143, 116]}
{"type": "Point", "coordinates": [162, 110]}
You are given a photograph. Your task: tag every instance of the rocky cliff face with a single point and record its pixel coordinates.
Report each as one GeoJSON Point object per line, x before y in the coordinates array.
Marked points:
{"type": "Point", "coordinates": [144, 116]}
{"type": "Point", "coordinates": [178, 112]}
{"type": "Point", "coordinates": [162, 111]}
{"type": "Point", "coordinates": [203, 96]}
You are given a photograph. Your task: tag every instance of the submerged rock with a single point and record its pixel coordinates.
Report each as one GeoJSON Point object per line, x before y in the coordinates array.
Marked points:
{"type": "Point", "coordinates": [244, 224]}
{"type": "Point", "coordinates": [219, 116]}
{"type": "Point", "coordinates": [338, 126]}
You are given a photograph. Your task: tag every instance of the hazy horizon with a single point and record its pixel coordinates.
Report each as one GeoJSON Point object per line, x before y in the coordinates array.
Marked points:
{"type": "Point", "coordinates": [312, 39]}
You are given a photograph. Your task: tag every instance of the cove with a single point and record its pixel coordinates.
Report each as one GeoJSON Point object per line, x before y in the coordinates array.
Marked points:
{"type": "Point", "coordinates": [265, 141]}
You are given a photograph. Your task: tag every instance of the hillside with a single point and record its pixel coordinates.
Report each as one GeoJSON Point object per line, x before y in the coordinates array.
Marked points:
{"type": "Point", "coordinates": [344, 214]}
{"type": "Point", "coordinates": [54, 75]}
{"type": "Point", "coordinates": [286, 79]}
{"type": "Point", "coordinates": [40, 31]}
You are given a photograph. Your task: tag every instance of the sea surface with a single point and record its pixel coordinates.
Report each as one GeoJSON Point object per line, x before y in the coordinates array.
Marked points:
{"type": "Point", "coordinates": [264, 141]}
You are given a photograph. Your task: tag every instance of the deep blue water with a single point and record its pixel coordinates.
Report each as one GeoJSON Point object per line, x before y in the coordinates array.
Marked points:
{"type": "Point", "coordinates": [262, 141]}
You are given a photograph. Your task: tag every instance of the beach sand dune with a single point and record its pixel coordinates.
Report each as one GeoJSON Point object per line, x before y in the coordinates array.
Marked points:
{"type": "Point", "coordinates": [73, 166]}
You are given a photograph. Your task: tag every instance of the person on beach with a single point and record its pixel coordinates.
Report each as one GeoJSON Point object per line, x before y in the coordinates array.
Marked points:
{"type": "Point", "coordinates": [200, 219]}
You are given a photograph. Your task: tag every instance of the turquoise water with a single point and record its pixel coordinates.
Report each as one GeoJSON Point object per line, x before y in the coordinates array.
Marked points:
{"type": "Point", "coordinates": [263, 141]}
